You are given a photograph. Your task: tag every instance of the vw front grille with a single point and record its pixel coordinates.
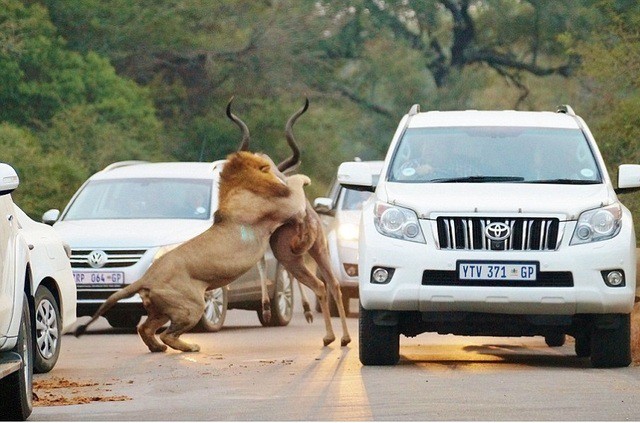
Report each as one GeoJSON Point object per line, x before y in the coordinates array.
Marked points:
{"type": "Point", "coordinates": [468, 233]}
{"type": "Point", "coordinates": [115, 258]}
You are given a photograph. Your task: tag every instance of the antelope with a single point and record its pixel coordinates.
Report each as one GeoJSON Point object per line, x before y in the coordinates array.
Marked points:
{"type": "Point", "coordinates": [297, 237]}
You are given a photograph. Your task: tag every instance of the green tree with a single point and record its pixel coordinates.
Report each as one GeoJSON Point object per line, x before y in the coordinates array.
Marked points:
{"type": "Point", "coordinates": [71, 110]}
{"type": "Point", "coordinates": [610, 75]}
{"type": "Point", "coordinates": [46, 180]}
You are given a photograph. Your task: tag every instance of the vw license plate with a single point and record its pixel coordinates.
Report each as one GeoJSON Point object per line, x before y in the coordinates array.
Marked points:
{"type": "Point", "coordinates": [498, 271]}
{"type": "Point", "coordinates": [99, 278]}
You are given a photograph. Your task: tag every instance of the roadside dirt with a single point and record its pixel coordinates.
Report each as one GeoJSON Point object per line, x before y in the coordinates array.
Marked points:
{"type": "Point", "coordinates": [61, 391]}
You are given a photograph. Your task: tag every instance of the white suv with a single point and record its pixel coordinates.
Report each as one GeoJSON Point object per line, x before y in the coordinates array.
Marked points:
{"type": "Point", "coordinates": [497, 223]}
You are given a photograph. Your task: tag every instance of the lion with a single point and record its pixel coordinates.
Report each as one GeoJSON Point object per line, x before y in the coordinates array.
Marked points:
{"type": "Point", "coordinates": [253, 203]}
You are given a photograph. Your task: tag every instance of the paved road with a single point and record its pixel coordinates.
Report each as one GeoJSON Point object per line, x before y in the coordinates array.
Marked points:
{"type": "Point", "coordinates": [246, 372]}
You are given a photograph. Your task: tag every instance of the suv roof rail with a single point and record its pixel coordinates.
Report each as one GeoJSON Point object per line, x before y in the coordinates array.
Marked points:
{"type": "Point", "coordinates": [565, 108]}
{"type": "Point", "coordinates": [123, 164]}
{"type": "Point", "coordinates": [414, 110]}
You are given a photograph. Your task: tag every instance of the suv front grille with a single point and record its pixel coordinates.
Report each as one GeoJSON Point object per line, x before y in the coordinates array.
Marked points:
{"type": "Point", "coordinates": [468, 233]}
{"type": "Point", "coordinates": [114, 258]}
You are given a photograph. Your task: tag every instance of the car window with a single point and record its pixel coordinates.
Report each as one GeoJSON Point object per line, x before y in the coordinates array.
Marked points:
{"type": "Point", "coordinates": [494, 154]}
{"type": "Point", "coordinates": [352, 199]}
{"type": "Point", "coordinates": [143, 198]}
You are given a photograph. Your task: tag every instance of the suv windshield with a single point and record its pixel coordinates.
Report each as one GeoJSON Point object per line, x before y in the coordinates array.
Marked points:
{"type": "Point", "coordinates": [148, 198]}
{"type": "Point", "coordinates": [494, 154]}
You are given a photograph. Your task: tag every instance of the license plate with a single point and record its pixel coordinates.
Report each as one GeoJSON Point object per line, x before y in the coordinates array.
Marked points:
{"type": "Point", "coordinates": [99, 278]}
{"type": "Point", "coordinates": [509, 271]}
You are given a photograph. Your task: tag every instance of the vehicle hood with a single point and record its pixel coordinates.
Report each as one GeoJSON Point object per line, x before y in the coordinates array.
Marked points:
{"type": "Point", "coordinates": [566, 201]}
{"type": "Point", "coordinates": [129, 233]}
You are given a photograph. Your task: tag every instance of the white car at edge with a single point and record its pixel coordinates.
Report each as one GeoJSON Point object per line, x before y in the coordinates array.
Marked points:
{"type": "Point", "coordinates": [37, 300]}
{"type": "Point", "coordinates": [496, 223]}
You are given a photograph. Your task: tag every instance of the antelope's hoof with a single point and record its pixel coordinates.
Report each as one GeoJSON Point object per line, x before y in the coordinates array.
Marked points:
{"type": "Point", "coordinates": [345, 341]}
{"type": "Point", "coordinates": [309, 316]}
{"type": "Point", "coordinates": [158, 348]}
{"type": "Point", "coordinates": [266, 316]}
{"type": "Point", "coordinates": [328, 339]}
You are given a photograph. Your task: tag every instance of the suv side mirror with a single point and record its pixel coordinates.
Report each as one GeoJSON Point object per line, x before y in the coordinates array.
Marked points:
{"type": "Point", "coordinates": [50, 216]}
{"type": "Point", "coordinates": [8, 179]}
{"type": "Point", "coordinates": [323, 205]}
{"type": "Point", "coordinates": [357, 176]}
{"type": "Point", "coordinates": [628, 178]}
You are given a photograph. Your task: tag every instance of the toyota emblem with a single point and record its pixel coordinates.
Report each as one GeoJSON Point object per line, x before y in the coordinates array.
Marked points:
{"type": "Point", "coordinates": [97, 259]}
{"type": "Point", "coordinates": [497, 231]}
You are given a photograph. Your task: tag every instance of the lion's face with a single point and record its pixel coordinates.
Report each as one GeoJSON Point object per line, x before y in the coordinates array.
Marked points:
{"type": "Point", "coordinates": [253, 172]}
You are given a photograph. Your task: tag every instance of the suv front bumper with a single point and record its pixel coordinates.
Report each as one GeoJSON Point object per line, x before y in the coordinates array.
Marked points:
{"type": "Point", "coordinates": [409, 288]}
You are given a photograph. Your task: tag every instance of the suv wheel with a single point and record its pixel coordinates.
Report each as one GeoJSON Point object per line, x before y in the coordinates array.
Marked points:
{"type": "Point", "coordinates": [123, 320]}
{"type": "Point", "coordinates": [555, 340]}
{"type": "Point", "coordinates": [282, 301]}
{"type": "Point", "coordinates": [379, 345]}
{"type": "Point", "coordinates": [16, 388]}
{"type": "Point", "coordinates": [583, 345]}
{"type": "Point", "coordinates": [611, 341]}
{"type": "Point", "coordinates": [215, 310]}
{"type": "Point", "coordinates": [47, 331]}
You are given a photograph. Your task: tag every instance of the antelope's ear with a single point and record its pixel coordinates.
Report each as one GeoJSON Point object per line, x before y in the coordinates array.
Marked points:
{"type": "Point", "coordinates": [265, 168]}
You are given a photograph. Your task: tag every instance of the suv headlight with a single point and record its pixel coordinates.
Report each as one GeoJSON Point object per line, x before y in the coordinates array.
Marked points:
{"type": "Point", "coordinates": [397, 222]}
{"type": "Point", "coordinates": [598, 224]}
{"type": "Point", "coordinates": [348, 231]}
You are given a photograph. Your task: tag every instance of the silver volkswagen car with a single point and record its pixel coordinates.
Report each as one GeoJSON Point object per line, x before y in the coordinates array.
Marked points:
{"type": "Point", "coordinates": [129, 214]}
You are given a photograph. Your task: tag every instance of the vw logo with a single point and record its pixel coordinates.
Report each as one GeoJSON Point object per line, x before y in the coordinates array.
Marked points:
{"type": "Point", "coordinates": [97, 258]}
{"type": "Point", "coordinates": [497, 231]}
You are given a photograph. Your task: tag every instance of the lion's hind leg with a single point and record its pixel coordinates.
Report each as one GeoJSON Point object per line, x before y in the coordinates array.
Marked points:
{"type": "Point", "coordinates": [155, 320]}
{"type": "Point", "coordinates": [147, 332]}
{"type": "Point", "coordinates": [176, 328]}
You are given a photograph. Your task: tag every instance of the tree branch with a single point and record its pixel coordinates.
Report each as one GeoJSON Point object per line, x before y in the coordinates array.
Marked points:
{"type": "Point", "coordinates": [495, 59]}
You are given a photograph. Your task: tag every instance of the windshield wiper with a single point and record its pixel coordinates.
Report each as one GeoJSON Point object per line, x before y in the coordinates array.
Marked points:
{"type": "Point", "coordinates": [481, 179]}
{"type": "Point", "coordinates": [566, 181]}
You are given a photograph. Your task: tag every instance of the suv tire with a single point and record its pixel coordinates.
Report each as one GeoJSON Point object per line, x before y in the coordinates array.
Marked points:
{"type": "Point", "coordinates": [379, 345]}
{"type": "Point", "coordinates": [611, 341]}
{"type": "Point", "coordinates": [583, 345]}
{"type": "Point", "coordinates": [16, 390]}
{"type": "Point", "coordinates": [47, 331]}
{"type": "Point", "coordinates": [555, 340]}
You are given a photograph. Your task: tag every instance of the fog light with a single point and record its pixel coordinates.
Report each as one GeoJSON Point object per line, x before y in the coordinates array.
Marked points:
{"type": "Point", "coordinates": [613, 278]}
{"type": "Point", "coordinates": [381, 275]}
{"type": "Point", "coordinates": [351, 269]}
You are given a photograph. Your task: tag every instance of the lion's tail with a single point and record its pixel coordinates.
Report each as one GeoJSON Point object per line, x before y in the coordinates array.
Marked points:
{"type": "Point", "coordinates": [126, 292]}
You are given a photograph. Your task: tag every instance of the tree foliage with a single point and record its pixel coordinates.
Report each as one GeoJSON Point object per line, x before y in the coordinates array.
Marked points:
{"type": "Point", "coordinates": [611, 76]}
{"type": "Point", "coordinates": [92, 81]}
{"type": "Point", "coordinates": [63, 110]}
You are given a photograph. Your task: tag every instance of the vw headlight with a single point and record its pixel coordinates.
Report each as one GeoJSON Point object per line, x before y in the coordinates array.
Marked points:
{"type": "Point", "coordinates": [397, 222]}
{"type": "Point", "coordinates": [598, 225]}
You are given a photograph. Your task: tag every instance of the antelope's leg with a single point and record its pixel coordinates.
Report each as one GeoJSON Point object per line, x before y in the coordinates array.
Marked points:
{"type": "Point", "coordinates": [266, 302]}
